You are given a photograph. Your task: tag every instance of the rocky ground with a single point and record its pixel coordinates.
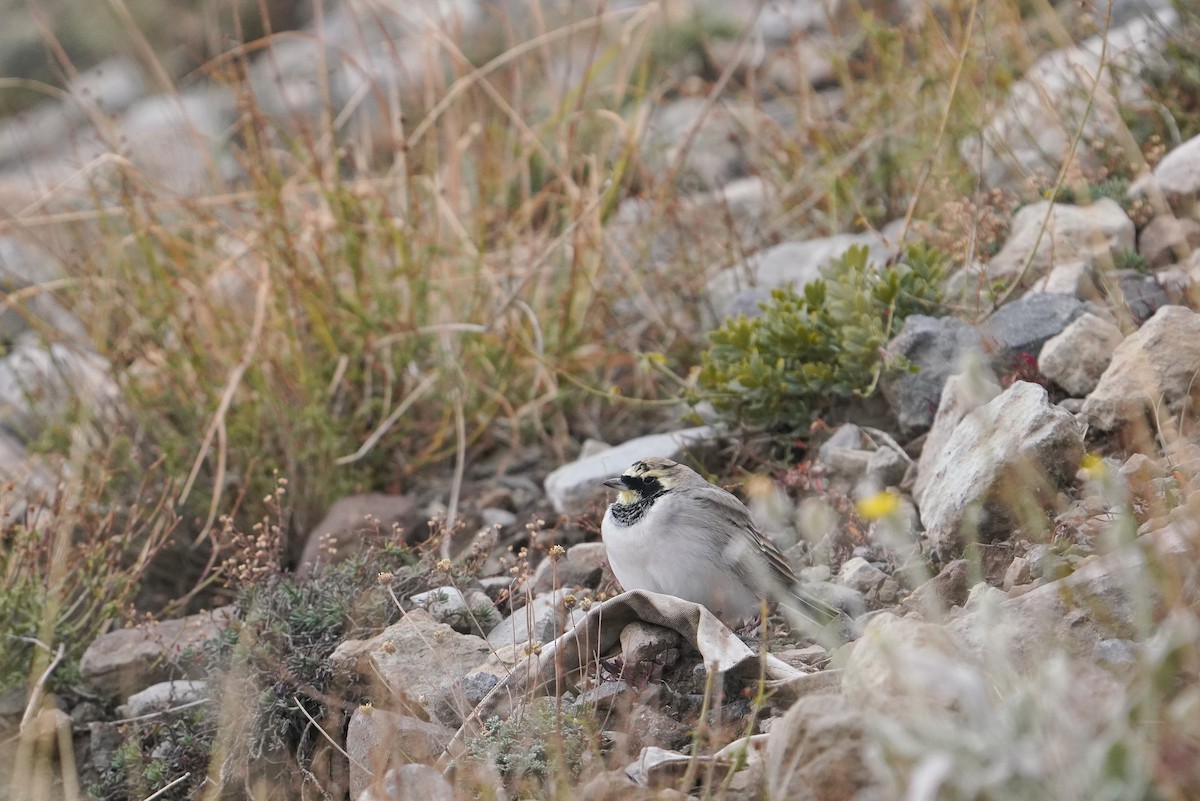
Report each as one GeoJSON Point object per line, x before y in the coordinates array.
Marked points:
{"type": "Point", "coordinates": [1013, 529]}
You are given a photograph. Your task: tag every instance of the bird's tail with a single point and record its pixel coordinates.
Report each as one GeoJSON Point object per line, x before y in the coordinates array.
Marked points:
{"type": "Point", "coordinates": [830, 626]}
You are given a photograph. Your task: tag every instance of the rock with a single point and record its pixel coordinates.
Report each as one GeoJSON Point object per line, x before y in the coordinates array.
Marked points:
{"type": "Point", "coordinates": [650, 726]}
{"type": "Point", "coordinates": [162, 696]}
{"type": "Point", "coordinates": [937, 346]}
{"type": "Point", "coordinates": [1016, 445]}
{"type": "Point", "coordinates": [1018, 573]}
{"type": "Point", "coordinates": [1119, 656]}
{"type": "Point", "coordinates": [410, 783]}
{"type": "Point", "coordinates": [740, 288]}
{"type": "Point", "coordinates": [1020, 329]}
{"type": "Point", "coordinates": [377, 741]}
{"type": "Point", "coordinates": [469, 613]}
{"type": "Point", "coordinates": [574, 482]}
{"type": "Point", "coordinates": [581, 566]}
{"type": "Point", "coordinates": [867, 457]}
{"type": "Point", "coordinates": [1092, 233]}
{"type": "Point", "coordinates": [1153, 369]}
{"type": "Point", "coordinates": [901, 665]}
{"type": "Point", "coordinates": [453, 701]}
{"type": "Point", "coordinates": [859, 574]}
{"type": "Point", "coordinates": [409, 661]}
{"type": "Point", "coordinates": [643, 642]}
{"type": "Point", "coordinates": [1076, 358]}
{"type": "Point", "coordinates": [357, 522]}
{"type": "Point", "coordinates": [541, 620]}
{"type": "Point", "coordinates": [818, 752]}
{"type": "Point", "coordinates": [949, 588]}
{"type": "Point", "coordinates": [23, 267]}
{"type": "Point", "coordinates": [1037, 122]}
{"type": "Point", "coordinates": [1142, 296]}
{"type": "Point", "coordinates": [1076, 278]}
{"type": "Point", "coordinates": [1177, 175]}
{"type": "Point", "coordinates": [962, 394]}
{"type": "Point", "coordinates": [40, 383]}
{"type": "Point", "coordinates": [124, 661]}
{"type": "Point", "coordinates": [615, 785]}
{"type": "Point", "coordinates": [1168, 240]}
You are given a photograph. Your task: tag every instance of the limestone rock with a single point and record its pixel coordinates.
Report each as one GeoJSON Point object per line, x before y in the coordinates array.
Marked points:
{"type": "Point", "coordinates": [572, 483]}
{"type": "Point", "coordinates": [1153, 369]}
{"type": "Point", "coordinates": [1015, 447]}
{"type": "Point", "coordinates": [1072, 233]}
{"type": "Point", "coordinates": [378, 740]}
{"type": "Point", "coordinates": [162, 696]}
{"type": "Point", "coordinates": [817, 751]}
{"type": "Point", "coordinates": [124, 661]}
{"type": "Point", "coordinates": [963, 394]}
{"type": "Point", "coordinates": [1076, 358]}
{"type": "Point", "coordinates": [409, 661]}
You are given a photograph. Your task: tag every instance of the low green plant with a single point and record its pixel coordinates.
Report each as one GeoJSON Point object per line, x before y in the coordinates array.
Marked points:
{"type": "Point", "coordinates": [808, 351]}
{"type": "Point", "coordinates": [174, 747]}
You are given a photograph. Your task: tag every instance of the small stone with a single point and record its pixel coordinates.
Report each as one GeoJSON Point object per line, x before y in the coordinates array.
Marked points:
{"type": "Point", "coordinates": [643, 642]}
{"type": "Point", "coordinates": [1018, 573]}
{"type": "Point", "coordinates": [1076, 358]}
{"type": "Point", "coordinates": [162, 696]}
{"type": "Point", "coordinates": [378, 740]}
{"type": "Point", "coordinates": [859, 574]}
{"type": "Point", "coordinates": [818, 752]}
{"type": "Point", "coordinates": [581, 566]}
{"type": "Point", "coordinates": [410, 783]}
{"type": "Point", "coordinates": [1168, 240]}
{"type": "Point", "coordinates": [937, 345]}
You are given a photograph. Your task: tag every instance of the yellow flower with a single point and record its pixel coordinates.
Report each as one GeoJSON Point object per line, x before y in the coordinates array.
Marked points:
{"type": "Point", "coordinates": [1092, 463]}
{"type": "Point", "coordinates": [879, 505]}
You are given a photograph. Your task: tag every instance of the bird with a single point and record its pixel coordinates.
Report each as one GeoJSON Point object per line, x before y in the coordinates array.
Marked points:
{"type": "Point", "coordinates": [671, 531]}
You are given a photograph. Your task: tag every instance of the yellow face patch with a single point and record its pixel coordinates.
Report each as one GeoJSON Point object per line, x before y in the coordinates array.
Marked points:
{"type": "Point", "coordinates": [627, 496]}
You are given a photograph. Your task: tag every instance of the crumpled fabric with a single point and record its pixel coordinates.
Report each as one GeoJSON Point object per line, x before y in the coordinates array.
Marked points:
{"type": "Point", "coordinates": [555, 667]}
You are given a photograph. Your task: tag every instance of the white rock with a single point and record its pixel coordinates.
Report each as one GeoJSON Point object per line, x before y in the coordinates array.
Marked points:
{"type": "Point", "coordinates": [963, 394]}
{"type": "Point", "coordinates": [577, 480]}
{"type": "Point", "coordinates": [1000, 455]}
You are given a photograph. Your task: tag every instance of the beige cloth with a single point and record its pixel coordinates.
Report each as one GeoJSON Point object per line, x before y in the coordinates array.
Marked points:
{"type": "Point", "coordinates": [556, 667]}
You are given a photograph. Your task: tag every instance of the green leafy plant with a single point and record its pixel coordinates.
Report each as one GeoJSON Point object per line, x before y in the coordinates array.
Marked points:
{"type": "Point", "coordinates": [538, 744]}
{"type": "Point", "coordinates": [806, 352]}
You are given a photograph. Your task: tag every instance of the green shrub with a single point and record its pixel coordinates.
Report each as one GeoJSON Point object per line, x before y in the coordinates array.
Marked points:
{"type": "Point", "coordinates": [808, 352]}
{"type": "Point", "coordinates": [540, 744]}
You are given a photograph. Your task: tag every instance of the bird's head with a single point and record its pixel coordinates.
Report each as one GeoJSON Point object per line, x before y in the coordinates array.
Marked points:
{"type": "Point", "coordinates": [648, 477]}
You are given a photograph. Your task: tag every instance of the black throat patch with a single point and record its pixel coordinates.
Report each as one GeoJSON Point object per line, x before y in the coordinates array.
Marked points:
{"type": "Point", "coordinates": [648, 489]}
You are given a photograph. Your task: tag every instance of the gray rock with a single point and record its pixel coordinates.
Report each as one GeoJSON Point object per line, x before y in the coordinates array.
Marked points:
{"type": "Point", "coordinates": [409, 661]}
{"type": "Point", "coordinates": [818, 751]}
{"type": "Point", "coordinates": [410, 783]}
{"type": "Point", "coordinates": [937, 346]}
{"type": "Point", "coordinates": [1143, 295]}
{"type": "Point", "coordinates": [1116, 655]}
{"type": "Point", "coordinates": [1017, 443]}
{"type": "Point", "coordinates": [580, 566]}
{"type": "Point", "coordinates": [719, 145]}
{"type": "Point", "coordinates": [1092, 233]}
{"type": "Point", "coordinates": [1153, 369]}
{"type": "Point", "coordinates": [162, 696]}
{"type": "Point", "coordinates": [1018, 573]}
{"type": "Point", "coordinates": [124, 661]}
{"type": "Point", "coordinates": [378, 740]}
{"type": "Point", "coordinates": [572, 483]}
{"type": "Point", "coordinates": [1019, 330]}
{"type": "Point", "coordinates": [788, 264]}
{"type": "Point", "coordinates": [962, 394]}
{"type": "Point", "coordinates": [357, 522]}
{"type": "Point", "coordinates": [1076, 358]}
{"type": "Point", "coordinates": [1177, 175]}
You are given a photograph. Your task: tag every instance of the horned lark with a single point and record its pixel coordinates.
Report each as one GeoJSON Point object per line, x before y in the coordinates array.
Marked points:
{"type": "Point", "coordinates": [672, 532]}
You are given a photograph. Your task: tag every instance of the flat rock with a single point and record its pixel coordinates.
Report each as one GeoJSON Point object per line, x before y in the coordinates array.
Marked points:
{"type": "Point", "coordinates": [408, 662]}
{"type": "Point", "coordinates": [1017, 443]}
{"type": "Point", "coordinates": [1153, 369]}
{"type": "Point", "coordinates": [937, 345]}
{"type": "Point", "coordinates": [1076, 358]}
{"type": "Point", "coordinates": [1093, 233]}
{"type": "Point", "coordinates": [162, 696]}
{"type": "Point", "coordinates": [576, 481]}
{"type": "Point", "coordinates": [124, 661]}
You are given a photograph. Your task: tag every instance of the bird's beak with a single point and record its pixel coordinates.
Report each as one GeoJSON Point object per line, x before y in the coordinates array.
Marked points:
{"type": "Point", "coordinates": [617, 483]}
